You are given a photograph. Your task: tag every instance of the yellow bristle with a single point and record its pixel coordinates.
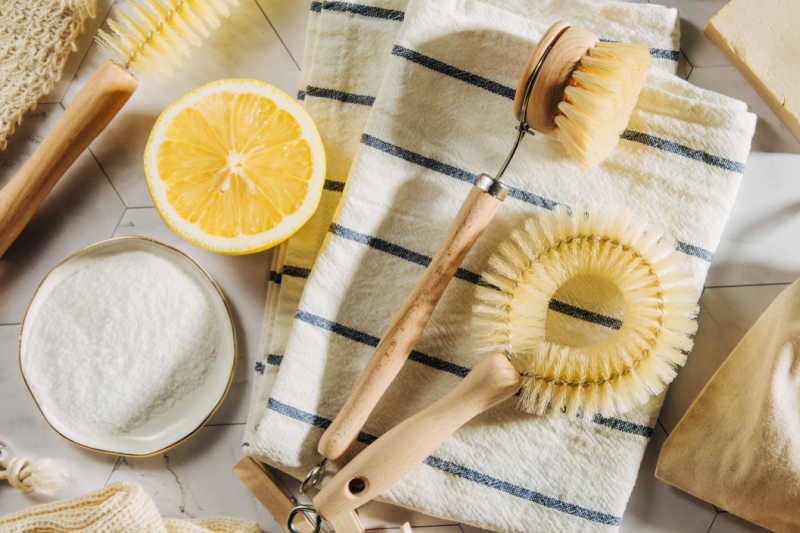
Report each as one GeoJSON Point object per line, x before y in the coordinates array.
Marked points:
{"type": "Point", "coordinates": [599, 100]}
{"type": "Point", "coordinates": [612, 373]}
{"type": "Point", "coordinates": [152, 36]}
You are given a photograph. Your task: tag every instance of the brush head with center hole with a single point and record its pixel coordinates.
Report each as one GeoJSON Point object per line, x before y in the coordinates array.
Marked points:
{"type": "Point", "coordinates": [595, 309]}
{"type": "Point", "coordinates": [585, 91]}
{"type": "Point", "coordinates": [154, 36]}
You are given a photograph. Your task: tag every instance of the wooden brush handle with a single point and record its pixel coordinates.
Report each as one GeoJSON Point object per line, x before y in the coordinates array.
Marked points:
{"type": "Point", "coordinates": [398, 451]}
{"type": "Point", "coordinates": [91, 110]}
{"type": "Point", "coordinates": [475, 214]}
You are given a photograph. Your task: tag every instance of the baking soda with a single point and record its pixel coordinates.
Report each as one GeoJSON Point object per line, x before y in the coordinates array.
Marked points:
{"type": "Point", "coordinates": [119, 341]}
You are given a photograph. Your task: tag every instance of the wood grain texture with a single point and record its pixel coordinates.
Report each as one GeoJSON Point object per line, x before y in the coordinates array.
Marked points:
{"type": "Point", "coordinates": [93, 107]}
{"type": "Point", "coordinates": [403, 447]}
{"type": "Point", "coordinates": [570, 44]}
{"type": "Point", "coordinates": [391, 353]}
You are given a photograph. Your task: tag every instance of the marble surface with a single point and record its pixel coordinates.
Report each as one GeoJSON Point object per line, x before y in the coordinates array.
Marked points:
{"type": "Point", "coordinates": [104, 195]}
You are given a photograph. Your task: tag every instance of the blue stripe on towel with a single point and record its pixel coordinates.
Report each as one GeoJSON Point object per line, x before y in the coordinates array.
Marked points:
{"type": "Point", "coordinates": [331, 185]}
{"type": "Point", "coordinates": [400, 251]}
{"type": "Point", "coordinates": [275, 277]}
{"type": "Point", "coordinates": [525, 196]}
{"type": "Point", "coordinates": [461, 273]}
{"type": "Point", "coordinates": [274, 359]}
{"type": "Point", "coordinates": [455, 72]}
{"type": "Point", "coordinates": [624, 426]}
{"type": "Point", "coordinates": [685, 151]}
{"type": "Point", "coordinates": [460, 471]}
{"type": "Point", "coordinates": [630, 135]}
{"type": "Point", "coordinates": [441, 364]}
{"type": "Point", "coordinates": [301, 94]}
{"type": "Point", "coordinates": [365, 11]}
{"type": "Point", "coordinates": [584, 314]}
{"type": "Point", "coordinates": [370, 340]}
{"type": "Point", "coordinates": [335, 94]}
{"type": "Point", "coordinates": [449, 170]}
{"type": "Point", "coordinates": [296, 271]}
{"type": "Point", "coordinates": [316, 6]}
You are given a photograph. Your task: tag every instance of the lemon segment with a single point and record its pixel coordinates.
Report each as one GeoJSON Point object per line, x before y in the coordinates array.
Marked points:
{"type": "Point", "coordinates": [235, 166]}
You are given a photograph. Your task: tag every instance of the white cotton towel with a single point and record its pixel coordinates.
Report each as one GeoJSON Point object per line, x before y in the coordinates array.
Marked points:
{"type": "Point", "coordinates": [442, 115]}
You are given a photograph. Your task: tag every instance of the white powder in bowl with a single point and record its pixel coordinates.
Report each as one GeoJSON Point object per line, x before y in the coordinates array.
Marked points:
{"type": "Point", "coordinates": [118, 341]}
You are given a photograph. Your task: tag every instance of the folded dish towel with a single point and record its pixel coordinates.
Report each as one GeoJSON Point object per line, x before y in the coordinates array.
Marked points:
{"type": "Point", "coordinates": [118, 508]}
{"type": "Point", "coordinates": [442, 115]}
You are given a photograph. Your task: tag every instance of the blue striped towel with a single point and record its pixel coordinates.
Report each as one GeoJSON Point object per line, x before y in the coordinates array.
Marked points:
{"type": "Point", "coordinates": [442, 115]}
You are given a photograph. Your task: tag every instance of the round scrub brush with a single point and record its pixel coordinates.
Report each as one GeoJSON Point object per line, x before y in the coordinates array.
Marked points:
{"type": "Point", "coordinates": [149, 36]}
{"type": "Point", "coordinates": [587, 99]}
{"type": "Point", "coordinates": [607, 375]}
{"type": "Point", "coordinates": [573, 86]}
{"type": "Point", "coordinates": [618, 369]}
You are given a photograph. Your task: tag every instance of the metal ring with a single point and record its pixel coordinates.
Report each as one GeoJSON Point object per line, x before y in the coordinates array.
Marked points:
{"type": "Point", "coordinates": [314, 477]}
{"type": "Point", "coordinates": [305, 509]}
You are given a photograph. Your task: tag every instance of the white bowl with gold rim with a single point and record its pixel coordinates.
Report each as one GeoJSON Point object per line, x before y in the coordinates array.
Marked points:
{"type": "Point", "coordinates": [188, 413]}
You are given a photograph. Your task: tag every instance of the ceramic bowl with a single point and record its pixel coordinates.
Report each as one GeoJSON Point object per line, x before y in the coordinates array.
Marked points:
{"type": "Point", "coordinates": [188, 414]}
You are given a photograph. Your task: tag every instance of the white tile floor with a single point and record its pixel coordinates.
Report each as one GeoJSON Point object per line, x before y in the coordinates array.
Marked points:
{"type": "Point", "coordinates": [104, 194]}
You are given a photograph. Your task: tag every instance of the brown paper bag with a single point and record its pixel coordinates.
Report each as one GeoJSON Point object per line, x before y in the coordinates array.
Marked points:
{"type": "Point", "coordinates": [738, 445]}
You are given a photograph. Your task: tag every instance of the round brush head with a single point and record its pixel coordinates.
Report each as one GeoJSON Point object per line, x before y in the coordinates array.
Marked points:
{"type": "Point", "coordinates": [584, 92]}
{"type": "Point", "coordinates": [594, 308]}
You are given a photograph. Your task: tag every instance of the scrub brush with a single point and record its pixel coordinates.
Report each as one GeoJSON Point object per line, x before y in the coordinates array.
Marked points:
{"type": "Point", "coordinates": [607, 375]}
{"type": "Point", "coordinates": [574, 86]}
{"type": "Point", "coordinates": [587, 102]}
{"type": "Point", "coordinates": [612, 370]}
{"type": "Point", "coordinates": [149, 36]}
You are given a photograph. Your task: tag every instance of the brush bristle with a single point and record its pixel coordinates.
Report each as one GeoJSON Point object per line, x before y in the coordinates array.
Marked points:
{"type": "Point", "coordinates": [624, 367]}
{"type": "Point", "coordinates": [154, 36]}
{"type": "Point", "coordinates": [599, 99]}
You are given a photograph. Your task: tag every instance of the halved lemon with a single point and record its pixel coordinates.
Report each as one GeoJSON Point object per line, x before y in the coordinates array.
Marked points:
{"type": "Point", "coordinates": [235, 166]}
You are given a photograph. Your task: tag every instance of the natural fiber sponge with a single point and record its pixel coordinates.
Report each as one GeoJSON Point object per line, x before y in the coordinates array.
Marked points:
{"type": "Point", "coordinates": [120, 340]}
{"type": "Point", "coordinates": [761, 39]}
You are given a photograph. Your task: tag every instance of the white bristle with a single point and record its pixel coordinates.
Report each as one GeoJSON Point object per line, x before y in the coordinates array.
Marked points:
{"type": "Point", "coordinates": [154, 36]}
{"type": "Point", "coordinates": [621, 370]}
{"type": "Point", "coordinates": [599, 99]}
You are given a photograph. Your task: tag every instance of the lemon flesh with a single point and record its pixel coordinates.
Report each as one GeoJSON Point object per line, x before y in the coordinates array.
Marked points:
{"type": "Point", "coordinates": [235, 166]}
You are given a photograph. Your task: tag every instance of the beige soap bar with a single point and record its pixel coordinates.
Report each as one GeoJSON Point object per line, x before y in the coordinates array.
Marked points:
{"type": "Point", "coordinates": [762, 38]}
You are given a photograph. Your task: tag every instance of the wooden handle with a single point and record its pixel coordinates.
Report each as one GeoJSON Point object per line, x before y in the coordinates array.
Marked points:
{"type": "Point", "coordinates": [475, 214]}
{"type": "Point", "coordinates": [569, 45]}
{"type": "Point", "coordinates": [398, 451]}
{"type": "Point", "coordinates": [91, 110]}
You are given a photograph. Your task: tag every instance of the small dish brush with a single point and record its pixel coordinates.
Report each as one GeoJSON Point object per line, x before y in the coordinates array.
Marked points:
{"type": "Point", "coordinates": [608, 376]}
{"type": "Point", "coordinates": [149, 36]}
{"type": "Point", "coordinates": [574, 86]}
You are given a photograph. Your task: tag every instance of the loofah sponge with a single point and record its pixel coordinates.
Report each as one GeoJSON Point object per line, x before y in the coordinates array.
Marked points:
{"type": "Point", "coordinates": [608, 374]}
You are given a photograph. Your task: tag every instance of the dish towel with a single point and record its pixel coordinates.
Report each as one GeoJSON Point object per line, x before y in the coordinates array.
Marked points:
{"type": "Point", "coordinates": [443, 114]}
{"type": "Point", "coordinates": [118, 508]}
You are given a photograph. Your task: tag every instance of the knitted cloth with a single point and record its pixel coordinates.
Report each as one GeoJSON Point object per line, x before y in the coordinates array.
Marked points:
{"type": "Point", "coordinates": [444, 113]}
{"type": "Point", "coordinates": [118, 508]}
{"type": "Point", "coordinates": [35, 39]}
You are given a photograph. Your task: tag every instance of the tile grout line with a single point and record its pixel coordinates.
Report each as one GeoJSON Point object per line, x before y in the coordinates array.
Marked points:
{"type": "Point", "coordinates": [10, 324]}
{"type": "Point", "coordinates": [124, 210]}
{"type": "Point", "coordinates": [711, 525]}
{"type": "Point", "coordinates": [225, 424]}
{"type": "Point", "coordinates": [108, 178]}
{"type": "Point", "coordinates": [278, 35]}
{"type": "Point", "coordinates": [766, 284]}
{"type": "Point", "coordinates": [662, 426]}
{"type": "Point", "coordinates": [114, 468]}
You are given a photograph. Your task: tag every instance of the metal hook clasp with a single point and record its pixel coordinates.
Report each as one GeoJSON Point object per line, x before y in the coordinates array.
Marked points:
{"type": "Point", "coordinates": [314, 477]}
{"type": "Point", "coordinates": [306, 510]}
